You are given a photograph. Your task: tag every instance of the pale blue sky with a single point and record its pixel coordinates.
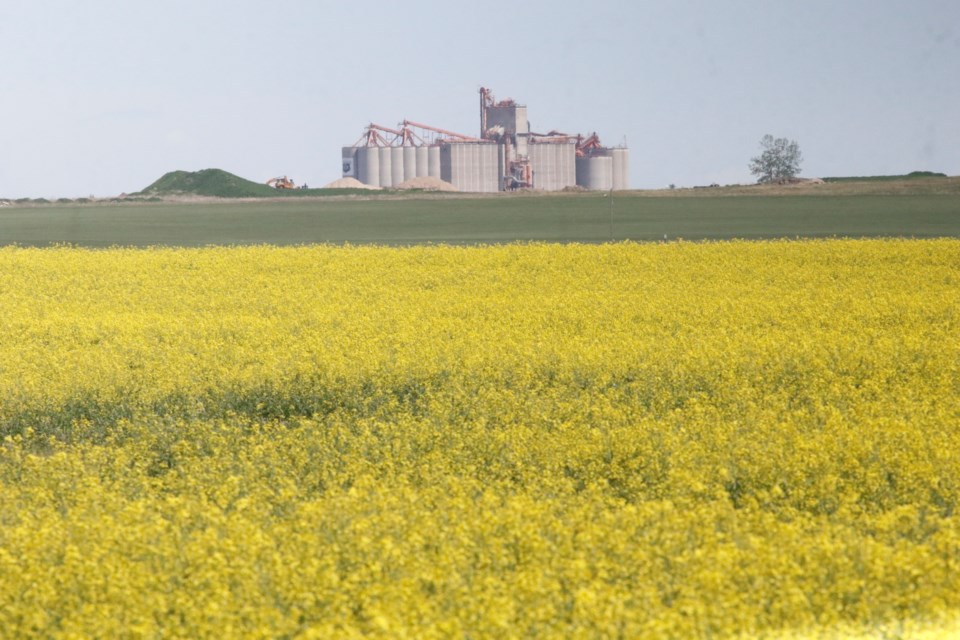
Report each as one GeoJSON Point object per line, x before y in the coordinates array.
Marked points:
{"type": "Point", "coordinates": [101, 97]}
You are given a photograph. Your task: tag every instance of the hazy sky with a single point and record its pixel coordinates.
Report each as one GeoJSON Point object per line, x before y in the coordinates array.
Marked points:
{"type": "Point", "coordinates": [101, 97]}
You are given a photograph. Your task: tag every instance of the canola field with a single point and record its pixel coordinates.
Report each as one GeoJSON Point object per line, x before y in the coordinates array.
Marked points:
{"type": "Point", "coordinates": [681, 440]}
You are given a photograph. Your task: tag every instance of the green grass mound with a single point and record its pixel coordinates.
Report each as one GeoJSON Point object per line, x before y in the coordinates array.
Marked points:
{"type": "Point", "coordinates": [217, 183]}
{"type": "Point", "coordinates": [208, 182]}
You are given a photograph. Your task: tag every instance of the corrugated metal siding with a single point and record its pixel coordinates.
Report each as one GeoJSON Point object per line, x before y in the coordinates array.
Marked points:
{"type": "Point", "coordinates": [553, 164]}
{"type": "Point", "coordinates": [470, 166]}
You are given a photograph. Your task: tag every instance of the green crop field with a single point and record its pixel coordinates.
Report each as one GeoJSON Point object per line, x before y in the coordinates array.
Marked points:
{"type": "Point", "coordinates": [424, 218]}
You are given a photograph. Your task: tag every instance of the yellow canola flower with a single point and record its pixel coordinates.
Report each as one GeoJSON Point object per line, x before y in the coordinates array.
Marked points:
{"type": "Point", "coordinates": [742, 439]}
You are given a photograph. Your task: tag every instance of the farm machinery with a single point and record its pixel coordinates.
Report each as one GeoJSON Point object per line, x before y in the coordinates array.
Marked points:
{"type": "Point", "coordinates": [281, 183]}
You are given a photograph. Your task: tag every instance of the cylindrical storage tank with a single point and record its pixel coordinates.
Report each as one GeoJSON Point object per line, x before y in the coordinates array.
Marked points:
{"type": "Point", "coordinates": [409, 163]}
{"type": "Point", "coordinates": [368, 166]}
{"type": "Point", "coordinates": [348, 159]}
{"type": "Point", "coordinates": [386, 167]}
{"type": "Point", "coordinates": [621, 168]}
{"type": "Point", "coordinates": [396, 168]}
{"type": "Point", "coordinates": [625, 170]}
{"type": "Point", "coordinates": [433, 162]}
{"type": "Point", "coordinates": [423, 162]}
{"type": "Point", "coordinates": [583, 172]}
{"type": "Point", "coordinates": [596, 173]}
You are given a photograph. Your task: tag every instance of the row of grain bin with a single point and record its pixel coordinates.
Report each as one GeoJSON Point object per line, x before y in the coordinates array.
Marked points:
{"type": "Point", "coordinates": [389, 166]}
{"type": "Point", "coordinates": [478, 166]}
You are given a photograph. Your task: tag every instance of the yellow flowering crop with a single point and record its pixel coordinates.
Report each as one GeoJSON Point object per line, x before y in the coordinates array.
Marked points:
{"type": "Point", "coordinates": [743, 439]}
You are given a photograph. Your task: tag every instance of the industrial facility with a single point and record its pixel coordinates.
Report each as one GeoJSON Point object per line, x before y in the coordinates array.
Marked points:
{"type": "Point", "coordinates": [506, 156]}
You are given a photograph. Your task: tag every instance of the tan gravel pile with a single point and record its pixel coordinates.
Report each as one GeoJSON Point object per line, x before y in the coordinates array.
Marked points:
{"type": "Point", "coordinates": [427, 183]}
{"type": "Point", "coordinates": [350, 183]}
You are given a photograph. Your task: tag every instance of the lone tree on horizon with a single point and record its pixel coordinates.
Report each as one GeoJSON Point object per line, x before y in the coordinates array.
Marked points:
{"type": "Point", "coordinates": [779, 161]}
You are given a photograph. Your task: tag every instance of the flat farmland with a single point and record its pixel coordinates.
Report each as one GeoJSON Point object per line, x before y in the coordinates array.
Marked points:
{"type": "Point", "coordinates": [504, 426]}
{"type": "Point", "coordinates": [745, 439]}
{"type": "Point", "coordinates": [590, 218]}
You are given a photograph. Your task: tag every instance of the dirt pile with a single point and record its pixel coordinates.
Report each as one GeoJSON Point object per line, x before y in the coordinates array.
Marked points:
{"type": "Point", "coordinates": [350, 183]}
{"type": "Point", "coordinates": [426, 183]}
{"type": "Point", "coordinates": [215, 183]}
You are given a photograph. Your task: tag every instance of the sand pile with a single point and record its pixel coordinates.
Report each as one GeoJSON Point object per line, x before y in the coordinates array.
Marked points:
{"type": "Point", "coordinates": [350, 183]}
{"type": "Point", "coordinates": [427, 183]}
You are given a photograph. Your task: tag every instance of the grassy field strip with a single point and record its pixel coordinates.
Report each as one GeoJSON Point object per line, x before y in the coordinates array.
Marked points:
{"type": "Point", "coordinates": [568, 218]}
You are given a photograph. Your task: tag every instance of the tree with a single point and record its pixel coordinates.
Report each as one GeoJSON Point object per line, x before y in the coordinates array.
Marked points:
{"type": "Point", "coordinates": [779, 161]}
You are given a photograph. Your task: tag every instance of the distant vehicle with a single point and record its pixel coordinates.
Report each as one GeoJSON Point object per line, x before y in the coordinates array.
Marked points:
{"type": "Point", "coordinates": [281, 183]}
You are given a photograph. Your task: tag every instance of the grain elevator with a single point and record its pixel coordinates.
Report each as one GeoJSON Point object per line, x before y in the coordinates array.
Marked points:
{"type": "Point", "coordinates": [506, 155]}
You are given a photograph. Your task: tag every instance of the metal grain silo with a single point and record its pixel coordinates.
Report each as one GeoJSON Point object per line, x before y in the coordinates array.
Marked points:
{"type": "Point", "coordinates": [409, 163]}
{"type": "Point", "coordinates": [595, 173]}
{"type": "Point", "coordinates": [621, 168]}
{"type": "Point", "coordinates": [386, 167]}
{"type": "Point", "coordinates": [433, 161]}
{"type": "Point", "coordinates": [423, 162]}
{"type": "Point", "coordinates": [396, 167]}
{"type": "Point", "coordinates": [368, 165]}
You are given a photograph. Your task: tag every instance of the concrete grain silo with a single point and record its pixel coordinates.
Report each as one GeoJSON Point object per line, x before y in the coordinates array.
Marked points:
{"type": "Point", "coordinates": [621, 168]}
{"type": "Point", "coordinates": [433, 161]}
{"type": "Point", "coordinates": [368, 165]}
{"type": "Point", "coordinates": [423, 162]}
{"type": "Point", "coordinates": [396, 164]}
{"type": "Point", "coordinates": [386, 167]}
{"type": "Point", "coordinates": [409, 163]}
